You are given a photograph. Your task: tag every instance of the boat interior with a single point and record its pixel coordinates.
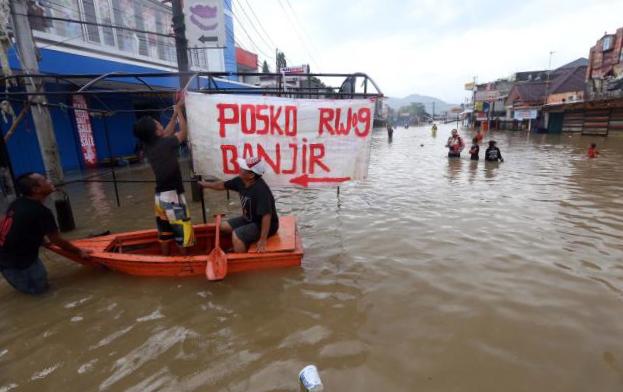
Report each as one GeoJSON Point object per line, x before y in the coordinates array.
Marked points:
{"type": "Point", "coordinates": [147, 243]}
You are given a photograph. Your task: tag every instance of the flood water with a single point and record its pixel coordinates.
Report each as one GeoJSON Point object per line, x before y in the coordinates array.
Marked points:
{"type": "Point", "coordinates": [431, 275]}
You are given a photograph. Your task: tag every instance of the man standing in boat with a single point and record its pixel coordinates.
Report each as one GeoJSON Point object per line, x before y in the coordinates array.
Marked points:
{"type": "Point", "coordinates": [259, 218]}
{"type": "Point", "coordinates": [161, 147]}
{"type": "Point", "coordinates": [22, 231]}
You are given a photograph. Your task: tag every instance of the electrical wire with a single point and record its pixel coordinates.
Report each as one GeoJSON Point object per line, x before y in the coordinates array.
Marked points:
{"type": "Point", "coordinates": [293, 24]}
{"type": "Point", "coordinates": [95, 24]}
{"type": "Point", "coordinates": [114, 10]}
{"type": "Point", "coordinates": [273, 45]}
{"type": "Point", "coordinates": [249, 36]}
{"type": "Point", "coordinates": [302, 27]}
{"type": "Point", "coordinates": [253, 25]}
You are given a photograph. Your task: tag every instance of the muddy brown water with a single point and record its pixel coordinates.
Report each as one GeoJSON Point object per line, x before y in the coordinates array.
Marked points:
{"type": "Point", "coordinates": [431, 275]}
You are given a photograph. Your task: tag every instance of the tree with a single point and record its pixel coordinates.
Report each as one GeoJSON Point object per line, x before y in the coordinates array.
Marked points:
{"type": "Point", "coordinates": [281, 60]}
{"type": "Point", "coordinates": [415, 111]}
{"type": "Point", "coordinates": [265, 68]}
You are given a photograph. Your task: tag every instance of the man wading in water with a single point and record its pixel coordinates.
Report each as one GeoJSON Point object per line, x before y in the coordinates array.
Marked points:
{"type": "Point", "coordinates": [493, 153]}
{"type": "Point", "coordinates": [455, 145]}
{"type": "Point", "coordinates": [259, 218]}
{"type": "Point", "coordinates": [161, 147]}
{"type": "Point", "coordinates": [22, 230]}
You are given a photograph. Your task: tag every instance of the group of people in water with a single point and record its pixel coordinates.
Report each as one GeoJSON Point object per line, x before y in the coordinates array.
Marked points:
{"type": "Point", "coordinates": [28, 222]}
{"type": "Point", "coordinates": [456, 145]}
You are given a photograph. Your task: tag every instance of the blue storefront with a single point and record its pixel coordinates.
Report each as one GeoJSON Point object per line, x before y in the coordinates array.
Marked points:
{"type": "Point", "coordinates": [23, 146]}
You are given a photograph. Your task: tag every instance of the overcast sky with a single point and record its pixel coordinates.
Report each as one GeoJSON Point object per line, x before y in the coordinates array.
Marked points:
{"type": "Point", "coordinates": [428, 47]}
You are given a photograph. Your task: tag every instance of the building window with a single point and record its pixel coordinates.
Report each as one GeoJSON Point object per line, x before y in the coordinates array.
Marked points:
{"type": "Point", "coordinates": [105, 17]}
{"type": "Point", "coordinates": [66, 9]}
{"type": "Point", "coordinates": [128, 14]}
{"type": "Point", "coordinates": [124, 17]}
{"type": "Point", "coordinates": [93, 32]}
{"type": "Point", "coordinates": [607, 43]}
{"type": "Point", "coordinates": [140, 25]}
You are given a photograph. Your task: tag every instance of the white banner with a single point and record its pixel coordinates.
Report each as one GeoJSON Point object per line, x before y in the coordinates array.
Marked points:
{"type": "Point", "coordinates": [205, 23]}
{"type": "Point", "coordinates": [304, 142]}
{"type": "Point", "coordinates": [525, 114]}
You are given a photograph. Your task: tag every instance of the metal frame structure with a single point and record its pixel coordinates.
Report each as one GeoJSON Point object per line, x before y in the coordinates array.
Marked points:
{"type": "Point", "coordinates": [204, 82]}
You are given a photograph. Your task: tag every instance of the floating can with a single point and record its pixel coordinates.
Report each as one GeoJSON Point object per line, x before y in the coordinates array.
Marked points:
{"type": "Point", "coordinates": [311, 379]}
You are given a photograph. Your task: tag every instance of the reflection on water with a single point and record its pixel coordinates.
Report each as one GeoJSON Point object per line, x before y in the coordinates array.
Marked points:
{"type": "Point", "coordinates": [432, 274]}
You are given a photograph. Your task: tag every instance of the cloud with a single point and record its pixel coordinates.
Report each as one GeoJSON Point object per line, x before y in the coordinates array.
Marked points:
{"type": "Point", "coordinates": [433, 47]}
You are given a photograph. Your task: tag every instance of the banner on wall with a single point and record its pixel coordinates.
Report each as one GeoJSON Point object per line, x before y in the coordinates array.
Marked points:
{"type": "Point", "coordinates": [525, 114]}
{"type": "Point", "coordinates": [85, 132]}
{"type": "Point", "coordinates": [205, 23]}
{"type": "Point", "coordinates": [304, 142]}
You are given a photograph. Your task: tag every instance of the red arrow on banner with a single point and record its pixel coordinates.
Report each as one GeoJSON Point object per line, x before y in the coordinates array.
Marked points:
{"type": "Point", "coordinates": [304, 180]}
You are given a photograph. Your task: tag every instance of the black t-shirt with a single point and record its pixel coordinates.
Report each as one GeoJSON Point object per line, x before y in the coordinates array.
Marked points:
{"type": "Point", "coordinates": [474, 151]}
{"type": "Point", "coordinates": [493, 154]}
{"type": "Point", "coordinates": [162, 155]}
{"type": "Point", "coordinates": [22, 230]}
{"type": "Point", "coordinates": [256, 201]}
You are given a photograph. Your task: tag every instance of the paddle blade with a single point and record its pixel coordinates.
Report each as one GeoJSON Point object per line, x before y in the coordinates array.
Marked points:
{"type": "Point", "coordinates": [216, 267]}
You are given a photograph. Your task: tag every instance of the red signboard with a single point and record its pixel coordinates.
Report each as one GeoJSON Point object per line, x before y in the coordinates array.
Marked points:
{"type": "Point", "coordinates": [246, 58]}
{"type": "Point", "coordinates": [85, 132]}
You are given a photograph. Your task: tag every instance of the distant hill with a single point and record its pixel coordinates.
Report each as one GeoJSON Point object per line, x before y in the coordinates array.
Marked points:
{"type": "Point", "coordinates": [440, 106]}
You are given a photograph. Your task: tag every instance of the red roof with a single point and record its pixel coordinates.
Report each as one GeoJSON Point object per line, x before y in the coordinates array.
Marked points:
{"type": "Point", "coordinates": [246, 59]}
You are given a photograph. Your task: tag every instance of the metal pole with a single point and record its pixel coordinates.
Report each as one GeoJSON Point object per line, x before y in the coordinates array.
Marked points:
{"type": "Point", "coordinates": [40, 114]}
{"type": "Point", "coordinates": [181, 48]}
{"type": "Point", "coordinates": [4, 153]}
{"type": "Point", "coordinates": [112, 162]}
{"type": "Point", "coordinates": [203, 207]}
{"type": "Point", "coordinates": [181, 43]}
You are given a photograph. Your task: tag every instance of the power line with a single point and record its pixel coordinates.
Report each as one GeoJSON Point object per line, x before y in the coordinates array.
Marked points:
{"type": "Point", "coordinates": [96, 24]}
{"type": "Point", "coordinates": [164, 10]}
{"type": "Point", "coordinates": [297, 33]}
{"type": "Point", "coordinates": [253, 25]}
{"type": "Point", "coordinates": [259, 22]}
{"type": "Point", "coordinates": [302, 26]}
{"type": "Point", "coordinates": [244, 47]}
{"type": "Point", "coordinates": [248, 35]}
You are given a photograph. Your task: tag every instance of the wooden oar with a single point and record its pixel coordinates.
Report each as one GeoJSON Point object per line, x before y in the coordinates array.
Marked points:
{"type": "Point", "coordinates": [216, 266]}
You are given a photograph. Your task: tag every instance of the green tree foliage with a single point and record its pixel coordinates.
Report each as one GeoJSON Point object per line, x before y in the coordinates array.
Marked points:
{"type": "Point", "coordinates": [265, 68]}
{"type": "Point", "coordinates": [281, 60]}
{"type": "Point", "coordinates": [414, 110]}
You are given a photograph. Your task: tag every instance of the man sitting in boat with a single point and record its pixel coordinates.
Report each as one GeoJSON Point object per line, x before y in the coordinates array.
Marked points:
{"type": "Point", "coordinates": [161, 146]}
{"type": "Point", "coordinates": [22, 231]}
{"type": "Point", "coordinates": [259, 218]}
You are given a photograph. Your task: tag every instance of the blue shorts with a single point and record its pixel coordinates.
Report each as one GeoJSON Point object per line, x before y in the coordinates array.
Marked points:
{"type": "Point", "coordinates": [32, 280]}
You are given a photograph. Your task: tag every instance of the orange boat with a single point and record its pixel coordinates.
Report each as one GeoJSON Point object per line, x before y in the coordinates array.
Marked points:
{"type": "Point", "coordinates": [138, 252]}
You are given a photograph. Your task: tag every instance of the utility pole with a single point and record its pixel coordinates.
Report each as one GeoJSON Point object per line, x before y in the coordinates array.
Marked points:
{"type": "Point", "coordinates": [433, 111]}
{"type": "Point", "coordinates": [181, 43]}
{"type": "Point", "coordinates": [181, 50]}
{"type": "Point", "coordinates": [549, 67]}
{"type": "Point", "coordinates": [473, 119]}
{"type": "Point", "coordinates": [40, 113]}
